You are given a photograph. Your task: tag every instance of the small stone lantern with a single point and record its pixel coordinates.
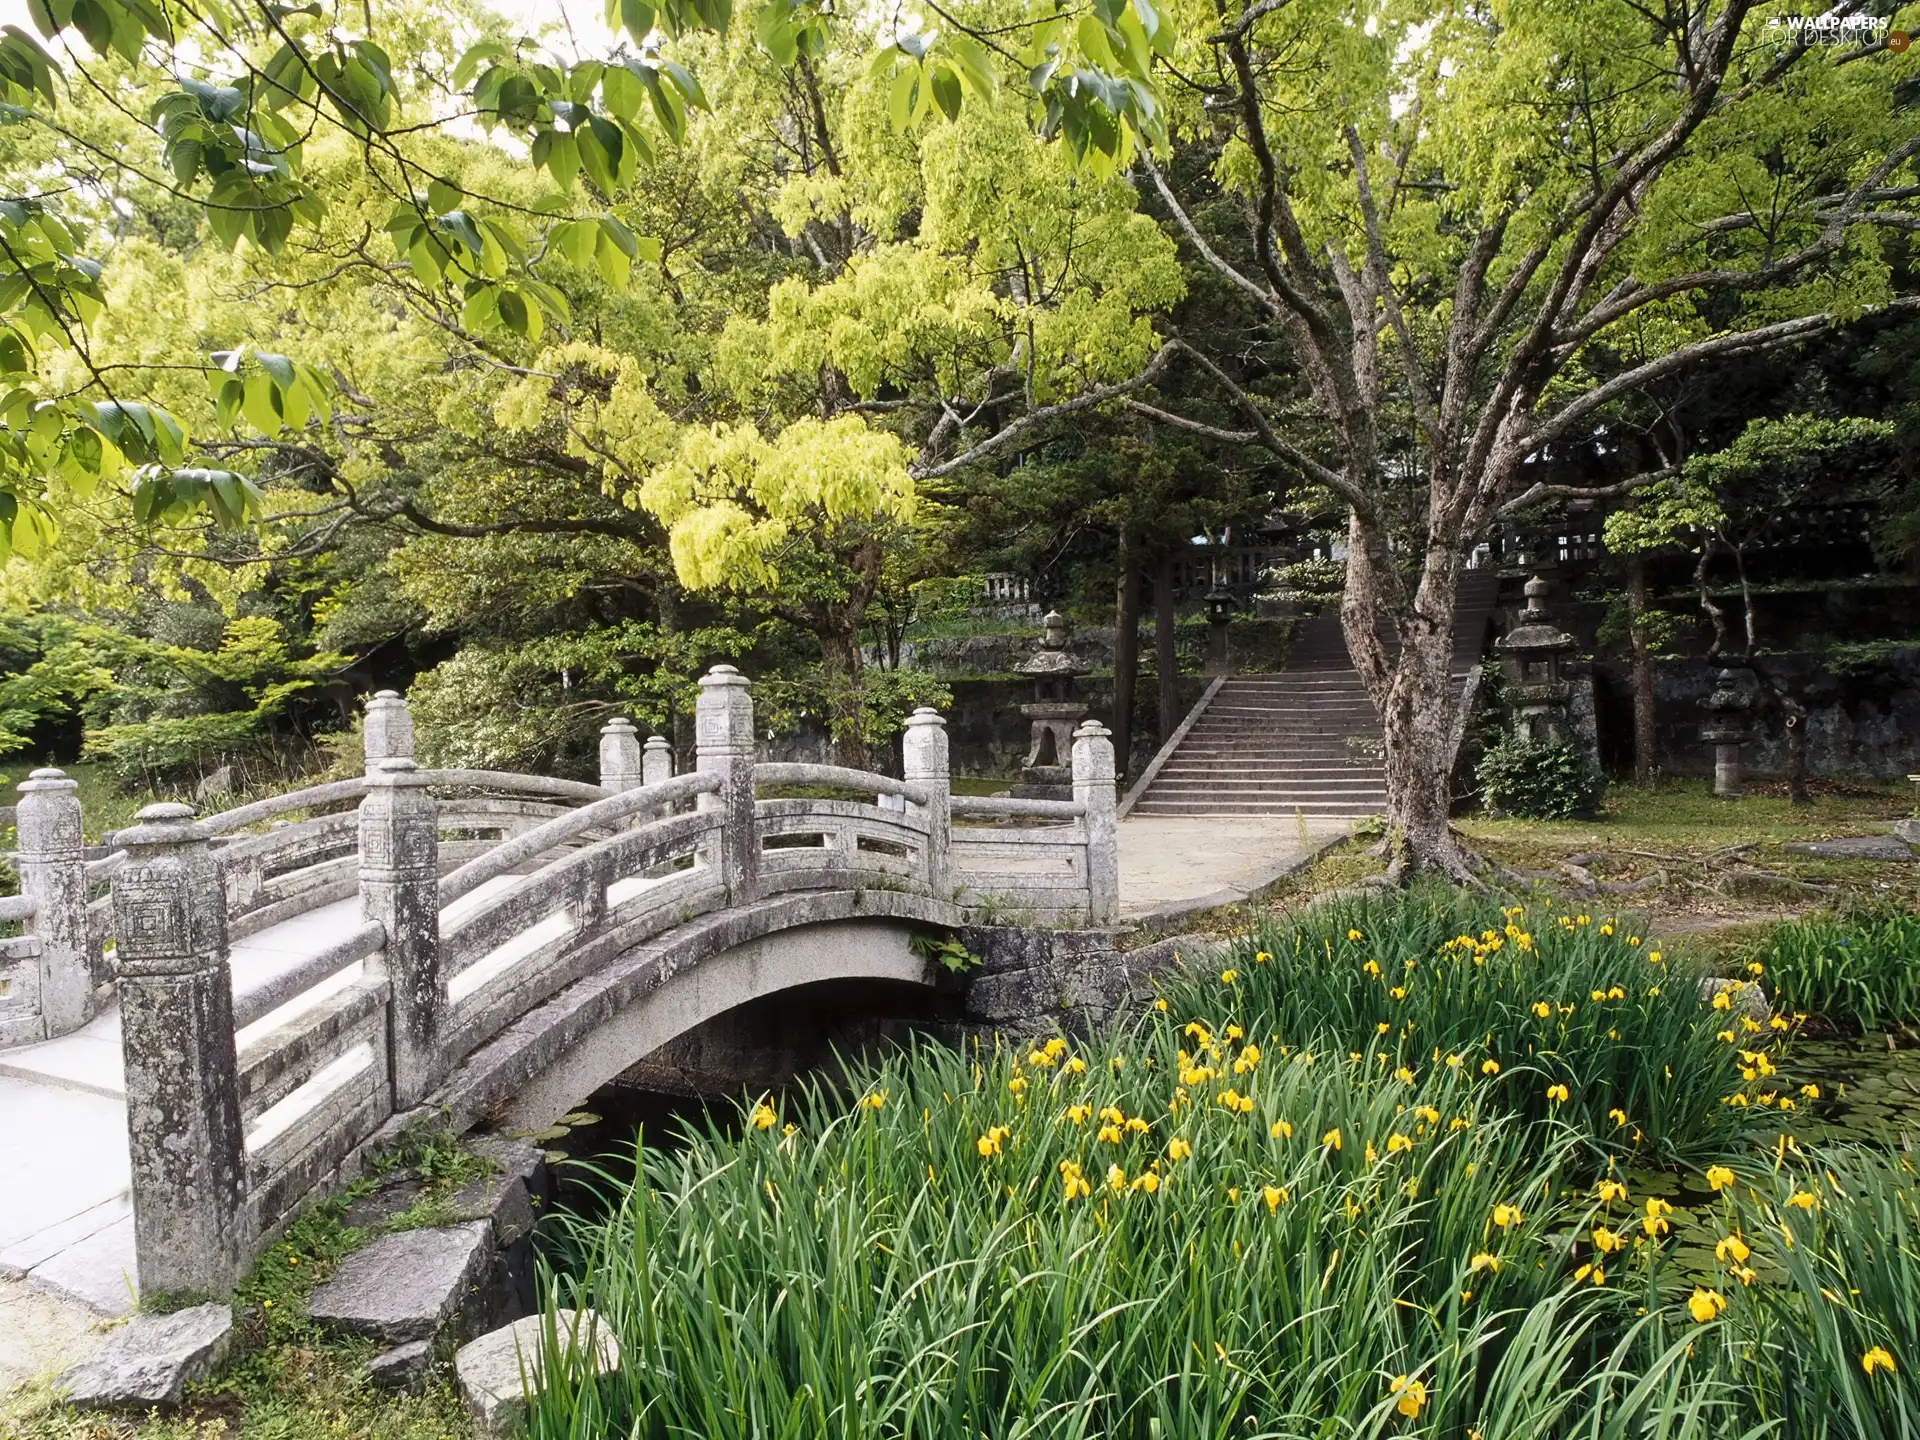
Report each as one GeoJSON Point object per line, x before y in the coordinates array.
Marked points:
{"type": "Point", "coordinates": [1054, 712]}
{"type": "Point", "coordinates": [1219, 603]}
{"type": "Point", "coordinates": [1535, 657]}
{"type": "Point", "coordinates": [1726, 730]}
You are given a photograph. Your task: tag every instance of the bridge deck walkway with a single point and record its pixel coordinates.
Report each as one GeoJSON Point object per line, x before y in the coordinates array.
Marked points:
{"type": "Point", "coordinates": [66, 1203]}
{"type": "Point", "coordinates": [63, 1121]}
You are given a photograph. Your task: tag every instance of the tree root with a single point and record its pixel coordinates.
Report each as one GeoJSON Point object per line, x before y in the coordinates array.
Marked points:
{"type": "Point", "coordinates": [1453, 862]}
{"type": "Point", "coordinates": [1730, 882]}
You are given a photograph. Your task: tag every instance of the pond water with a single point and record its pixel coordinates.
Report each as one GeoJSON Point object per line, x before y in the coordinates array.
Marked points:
{"type": "Point", "coordinates": [1869, 1095]}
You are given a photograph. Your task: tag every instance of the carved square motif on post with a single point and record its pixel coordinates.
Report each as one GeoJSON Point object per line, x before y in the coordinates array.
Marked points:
{"type": "Point", "coordinates": [156, 925]}
{"type": "Point", "coordinates": [376, 847]}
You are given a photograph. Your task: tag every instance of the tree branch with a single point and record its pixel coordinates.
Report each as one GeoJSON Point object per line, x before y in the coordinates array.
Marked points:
{"type": "Point", "coordinates": [1045, 415]}
{"type": "Point", "coordinates": [1540, 490]}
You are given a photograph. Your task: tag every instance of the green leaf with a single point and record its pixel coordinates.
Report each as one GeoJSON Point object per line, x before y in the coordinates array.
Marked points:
{"type": "Point", "coordinates": [170, 440]}
{"type": "Point", "coordinates": [900, 99]}
{"type": "Point", "coordinates": [468, 66]}
{"type": "Point", "coordinates": [261, 404]}
{"type": "Point", "coordinates": [602, 153]}
{"type": "Point", "coordinates": [226, 403]}
{"type": "Point", "coordinates": [946, 90]}
{"type": "Point", "coordinates": [773, 26]}
{"type": "Point", "coordinates": [563, 158]}
{"type": "Point", "coordinates": [615, 264]}
{"type": "Point", "coordinates": [16, 356]}
{"type": "Point", "coordinates": [184, 160]}
{"type": "Point", "coordinates": [278, 366]}
{"type": "Point", "coordinates": [443, 196]}
{"type": "Point", "coordinates": [974, 65]}
{"type": "Point", "coordinates": [686, 83]}
{"type": "Point", "coordinates": [515, 315]}
{"type": "Point", "coordinates": [636, 17]}
{"type": "Point", "coordinates": [481, 312]}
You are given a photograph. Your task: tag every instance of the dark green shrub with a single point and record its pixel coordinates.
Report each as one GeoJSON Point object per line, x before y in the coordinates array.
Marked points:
{"type": "Point", "coordinates": [1537, 780]}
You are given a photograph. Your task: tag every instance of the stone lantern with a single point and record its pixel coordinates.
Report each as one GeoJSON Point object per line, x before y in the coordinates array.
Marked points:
{"type": "Point", "coordinates": [1047, 771]}
{"type": "Point", "coordinates": [1535, 657]}
{"type": "Point", "coordinates": [1726, 730]}
{"type": "Point", "coordinates": [1219, 603]}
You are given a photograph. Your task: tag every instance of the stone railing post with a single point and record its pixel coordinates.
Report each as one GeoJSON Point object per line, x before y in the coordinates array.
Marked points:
{"type": "Point", "coordinates": [723, 746]}
{"type": "Point", "coordinates": [656, 761]}
{"type": "Point", "coordinates": [193, 1229]}
{"type": "Point", "coordinates": [400, 887]}
{"type": "Point", "coordinates": [620, 763]}
{"type": "Point", "coordinates": [388, 732]}
{"type": "Point", "coordinates": [924, 762]}
{"type": "Point", "coordinates": [1093, 787]}
{"type": "Point", "coordinates": [53, 874]}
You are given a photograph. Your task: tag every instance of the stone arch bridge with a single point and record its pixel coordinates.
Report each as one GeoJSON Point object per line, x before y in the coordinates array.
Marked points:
{"type": "Point", "coordinates": [270, 990]}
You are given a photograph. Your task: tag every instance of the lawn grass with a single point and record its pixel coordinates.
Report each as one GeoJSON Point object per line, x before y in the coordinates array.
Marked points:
{"type": "Point", "coordinates": [1684, 817]}
{"type": "Point", "coordinates": [1712, 869]}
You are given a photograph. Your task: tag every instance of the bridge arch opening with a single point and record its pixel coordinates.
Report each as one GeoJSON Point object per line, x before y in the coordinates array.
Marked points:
{"type": "Point", "coordinates": [809, 1032]}
{"type": "Point", "coordinates": [753, 1017]}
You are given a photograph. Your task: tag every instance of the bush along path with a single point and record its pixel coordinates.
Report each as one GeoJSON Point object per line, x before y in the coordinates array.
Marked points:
{"type": "Point", "coordinates": [1401, 1167]}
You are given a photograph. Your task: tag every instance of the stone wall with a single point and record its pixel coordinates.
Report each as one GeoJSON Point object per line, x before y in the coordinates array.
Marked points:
{"type": "Point", "coordinates": [1862, 726]}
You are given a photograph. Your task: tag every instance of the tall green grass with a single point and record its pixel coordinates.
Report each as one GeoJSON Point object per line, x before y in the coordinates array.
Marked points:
{"type": "Point", "coordinates": [886, 1273]}
{"type": "Point", "coordinates": [1827, 1339]}
{"type": "Point", "coordinates": [1252, 1211]}
{"type": "Point", "coordinates": [1858, 972]}
{"type": "Point", "coordinates": [1521, 999]}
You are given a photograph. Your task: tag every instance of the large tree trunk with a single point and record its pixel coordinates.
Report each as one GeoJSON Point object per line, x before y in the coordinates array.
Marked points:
{"type": "Point", "coordinates": [1413, 692]}
{"type": "Point", "coordinates": [1166, 656]}
{"type": "Point", "coordinates": [1126, 653]}
{"type": "Point", "coordinates": [1645, 754]}
{"type": "Point", "coordinates": [840, 660]}
{"type": "Point", "coordinates": [1418, 727]}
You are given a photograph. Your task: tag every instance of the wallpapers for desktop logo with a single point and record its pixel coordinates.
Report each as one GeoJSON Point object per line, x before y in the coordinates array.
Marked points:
{"type": "Point", "coordinates": [1866, 31]}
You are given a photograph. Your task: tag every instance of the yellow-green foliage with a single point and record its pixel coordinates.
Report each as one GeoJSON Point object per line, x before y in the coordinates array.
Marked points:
{"type": "Point", "coordinates": [732, 499]}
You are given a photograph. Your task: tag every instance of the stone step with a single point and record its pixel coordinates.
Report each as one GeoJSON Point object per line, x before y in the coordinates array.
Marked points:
{"type": "Point", "coordinates": [1342, 810]}
{"type": "Point", "coordinates": [1277, 714]}
{"type": "Point", "coordinates": [1258, 770]}
{"type": "Point", "coordinates": [1295, 727]}
{"type": "Point", "coordinates": [1325, 788]}
{"type": "Point", "coordinates": [1334, 761]}
{"type": "Point", "coordinates": [1188, 785]}
{"type": "Point", "coordinates": [1289, 719]}
{"type": "Point", "coordinates": [1330, 753]}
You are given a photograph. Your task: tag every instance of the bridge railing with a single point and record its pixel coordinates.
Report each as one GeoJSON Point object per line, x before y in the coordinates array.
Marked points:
{"type": "Point", "coordinates": [474, 911]}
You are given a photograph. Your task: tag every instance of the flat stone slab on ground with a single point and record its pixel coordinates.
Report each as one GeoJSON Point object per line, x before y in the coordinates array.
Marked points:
{"type": "Point", "coordinates": [151, 1360]}
{"type": "Point", "coordinates": [492, 1369]}
{"type": "Point", "coordinates": [401, 1368]}
{"type": "Point", "coordinates": [406, 1286]}
{"type": "Point", "coordinates": [1853, 847]}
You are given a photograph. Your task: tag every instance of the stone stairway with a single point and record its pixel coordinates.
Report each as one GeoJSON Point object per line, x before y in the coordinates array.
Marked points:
{"type": "Point", "coordinates": [1303, 741]}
